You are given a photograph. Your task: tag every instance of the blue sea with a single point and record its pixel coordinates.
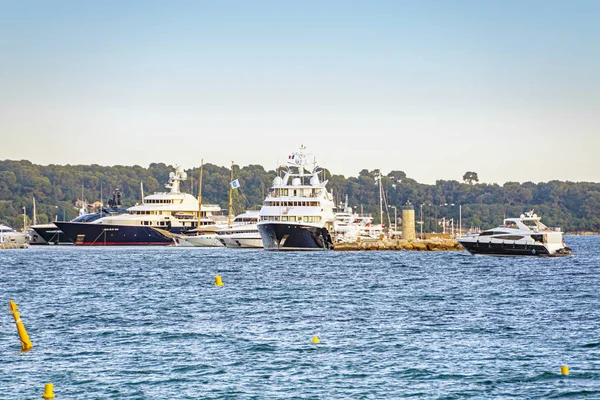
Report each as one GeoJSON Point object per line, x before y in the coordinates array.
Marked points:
{"type": "Point", "coordinates": [149, 323]}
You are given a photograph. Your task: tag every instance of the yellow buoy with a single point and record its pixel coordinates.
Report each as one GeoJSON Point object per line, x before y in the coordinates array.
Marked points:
{"type": "Point", "coordinates": [315, 340]}
{"type": "Point", "coordinates": [218, 281]}
{"type": "Point", "coordinates": [25, 342]}
{"type": "Point", "coordinates": [48, 391]}
{"type": "Point", "coordinates": [564, 370]}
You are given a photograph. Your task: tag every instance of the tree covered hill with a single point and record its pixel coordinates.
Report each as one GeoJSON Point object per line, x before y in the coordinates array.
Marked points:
{"type": "Point", "coordinates": [573, 206]}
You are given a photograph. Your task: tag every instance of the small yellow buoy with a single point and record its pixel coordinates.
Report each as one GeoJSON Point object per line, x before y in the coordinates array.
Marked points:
{"type": "Point", "coordinates": [48, 391]}
{"type": "Point", "coordinates": [564, 370]}
{"type": "Point", "coordinates": [315, 340]}
{"type": "Point", "coordinates": [218, 281]}
{"type": "Point", "coordinates": [25, 342]}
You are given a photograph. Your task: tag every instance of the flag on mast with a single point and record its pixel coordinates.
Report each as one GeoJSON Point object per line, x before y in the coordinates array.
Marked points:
{"type": "Point", "coordinates": [235, 184]}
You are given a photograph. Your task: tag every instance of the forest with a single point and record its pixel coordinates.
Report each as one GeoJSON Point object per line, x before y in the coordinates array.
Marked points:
{"type": "Point", "coordinates": [572, 206]}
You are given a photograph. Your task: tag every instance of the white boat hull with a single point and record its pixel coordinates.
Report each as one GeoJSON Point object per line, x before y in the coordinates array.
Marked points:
{"type": "Point", "coordinates": [198, 241]}
{"type": "Point", "coordinates": [242, 242]}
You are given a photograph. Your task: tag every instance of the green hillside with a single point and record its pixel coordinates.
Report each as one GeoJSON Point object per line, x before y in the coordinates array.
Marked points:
{"type": "Point", "coordinates": [573, 206]}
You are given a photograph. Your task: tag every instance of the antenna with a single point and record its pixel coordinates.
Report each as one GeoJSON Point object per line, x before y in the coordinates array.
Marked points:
{"type": "Point", "coordinates": [230, 198]}
{"type": "Point", "coordinates": [34, 213]}
{"type": "Point", "coordinates": [200, 194]}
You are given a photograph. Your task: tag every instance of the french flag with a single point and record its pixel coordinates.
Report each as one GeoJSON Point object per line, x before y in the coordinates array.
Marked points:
{"type": "Point", "coordinates": [291, 157]}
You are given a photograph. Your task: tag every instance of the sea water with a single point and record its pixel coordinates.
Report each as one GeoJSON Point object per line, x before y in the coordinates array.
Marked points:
{"type": "Point", "coordinates": [149, 323]}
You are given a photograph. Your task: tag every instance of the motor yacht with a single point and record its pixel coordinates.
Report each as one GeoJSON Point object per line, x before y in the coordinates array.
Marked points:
{"type": "Point", "coordinates": [523, 236]}
{"type": "Point", "coordinates": [298, 213]}
{"type": "Point", "coordinates": [145, 224]}
{"type": "Point", "coordinates": [11, 239]}
{"type": "Point", "coordinates": [243, 232]}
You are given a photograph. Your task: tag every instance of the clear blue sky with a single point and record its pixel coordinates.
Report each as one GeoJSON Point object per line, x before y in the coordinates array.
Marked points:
{"type": "Point", "coordinates": [508, 89]}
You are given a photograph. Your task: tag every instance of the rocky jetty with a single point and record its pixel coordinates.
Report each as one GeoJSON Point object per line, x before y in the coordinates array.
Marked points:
{"type": "Point", "coordinates": [434, 244]}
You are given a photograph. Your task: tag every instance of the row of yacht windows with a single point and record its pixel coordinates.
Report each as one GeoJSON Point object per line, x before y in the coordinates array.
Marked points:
{"type": "Point", "coordinates": [176, 215]}
{"type": "Point", "coordinates": [292, 203]}
{"type": "Point", "coordinates": [296, 192]}
{"type": "Point", "coordinates": [224, 233]}
{"type": "Point", "coordinates": [159, 201]}
{"type": "Point", "coordinates": [310, 219]}
{"type": "Point", "coordinates": [157, 223]}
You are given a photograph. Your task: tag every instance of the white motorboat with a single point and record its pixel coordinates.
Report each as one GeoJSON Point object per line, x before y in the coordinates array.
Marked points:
{"type": "Point", "coordinates": [11, 239]}
{"type": "Point", "coordinates": [523, 236]}
{"type": "Point", "coordinates": [198, 238]}
{"type": "Point", "coordinates": [243, 232]}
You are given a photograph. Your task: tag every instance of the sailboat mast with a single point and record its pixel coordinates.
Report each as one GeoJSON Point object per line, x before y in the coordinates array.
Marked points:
{"type": "Point", "coordinates": [142, 191]}
{"type": "Point", "coordinates": [230, 198]}
{"type": "Point", "coordinates": [34, 213]}
{"type": "Point", "coordinates": [200, 193]}
{"type": "Point", "coordinates": [380, 200]}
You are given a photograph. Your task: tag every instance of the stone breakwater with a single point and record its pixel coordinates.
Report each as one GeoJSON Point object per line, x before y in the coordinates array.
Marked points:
{"type": "Point", "coordinates": [436, 244]}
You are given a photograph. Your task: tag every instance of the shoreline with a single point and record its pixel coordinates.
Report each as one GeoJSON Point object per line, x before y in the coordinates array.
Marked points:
{"type": "Point", "coordinates": [434, 244]}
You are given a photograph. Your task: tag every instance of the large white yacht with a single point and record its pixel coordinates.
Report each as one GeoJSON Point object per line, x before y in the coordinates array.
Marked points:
{"type": "Point", "coordinates": [243, 232]}
{"type": "Point", "coordinates": [298, 214]}
{"type": "Point", "coordinates": [146, 223]}
{"type": "Point", "coordinates": [523, 236]}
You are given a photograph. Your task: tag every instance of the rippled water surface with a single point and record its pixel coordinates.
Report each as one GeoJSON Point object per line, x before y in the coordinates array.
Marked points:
{"type": "Point", "coordinates": [148, 323]}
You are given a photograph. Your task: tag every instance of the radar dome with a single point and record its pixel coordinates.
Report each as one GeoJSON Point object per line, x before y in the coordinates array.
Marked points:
{"type": "Point", "coordinates": [296, 182]}
{"type": "Point", "coordinates": [183, 175]}
{"type": "Point", "coordinates": [171, 175]}
{"type": "Point", "coordinates": [277, 181]}
{"type": "Point", "coordinates": [314, 181]}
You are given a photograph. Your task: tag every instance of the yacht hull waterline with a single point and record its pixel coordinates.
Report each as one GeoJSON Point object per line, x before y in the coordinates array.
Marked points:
{"type": "Point", "coordinates": [282, 236]}
{"type": "Point", "coordinates": [85, 234]}
{"type": "Point", "coordinates": [49, 235]}
{"type": "Point", "coordinates": [504, 249]}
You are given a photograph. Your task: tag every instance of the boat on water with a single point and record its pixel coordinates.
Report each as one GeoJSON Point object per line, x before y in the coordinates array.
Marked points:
{"type": "Point", "coordinates": [205, 233]}
{"type": "Point", "coordinates": [350, 227]}
{"type": "Point", "coordinates": [50, 234]}
{"type": "Point", "coordinates": [298, 213]}
{"type": "Point", "coordinates": [11, 239]}
{"type": "Point", "coordinates": [198, 238]}
{"type": "Point", "coordinates": [523, 236]}
{"type": "Point", "coordinates": [243, 232]}
{"type": "Point", "coordinates": [173, 212]}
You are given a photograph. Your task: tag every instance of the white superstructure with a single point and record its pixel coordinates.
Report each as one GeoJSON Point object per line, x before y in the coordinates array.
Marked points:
{"type": "Point", "coordinates": [173, 211]}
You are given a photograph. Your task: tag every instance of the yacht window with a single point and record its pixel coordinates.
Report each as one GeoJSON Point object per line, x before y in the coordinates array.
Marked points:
{"type": "Point", "coordinates": [489, 233]}
{"type": "Point", "coordinates": [510, 237]}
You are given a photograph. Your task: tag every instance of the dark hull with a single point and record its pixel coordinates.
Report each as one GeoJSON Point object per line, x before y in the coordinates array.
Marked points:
{"type": "Point", "coordinates": [49, 235]}
{"type": "Point", "coordinates": [294, 237]}
{"type": "Point", "coordinates": [89, 234]}
{"type": "Point", "coordinates": [505, 249]}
